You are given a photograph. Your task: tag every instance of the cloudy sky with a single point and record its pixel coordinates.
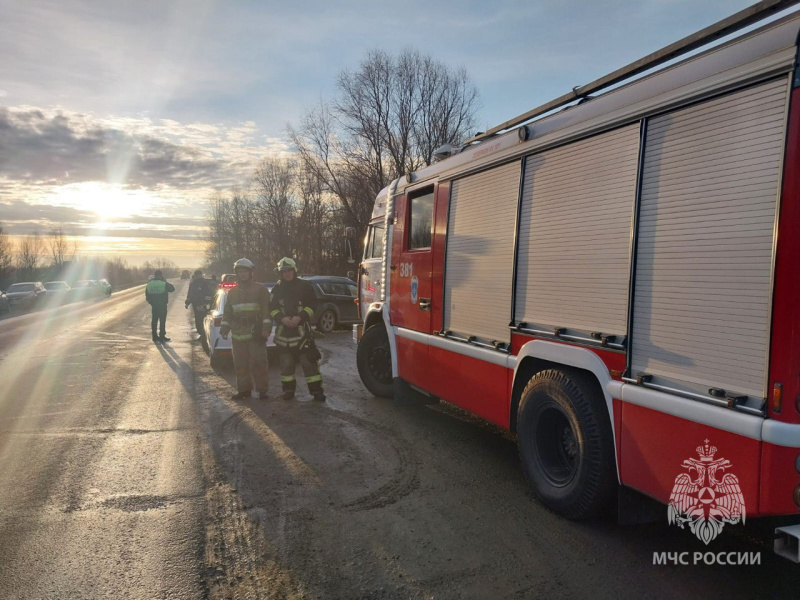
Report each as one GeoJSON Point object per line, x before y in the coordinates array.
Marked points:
{"type": "Point", "coordinates": [119, 119]}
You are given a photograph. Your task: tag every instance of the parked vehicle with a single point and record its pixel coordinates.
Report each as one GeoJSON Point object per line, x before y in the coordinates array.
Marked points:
{"type": "Point", "coordinates": [5, 305]}
{"type": "Point", "coordinates": [26, 294]}
{"type": "Point", "coordinates": [185, 274]}
{"type": "Point", "coordinates": [228, 278]}
{"type": "Point", "coordinates": [105, 286]}
{"type": "Point", "coordinates": [614, 282]}
{"type": "Point", "coordinates": [57, 288]}
{"type": "Point", "coordinates": [86, 288]}
{"type": "Point", "coordinates": [336, 302]}
{"type": "Point", "coordinates": [57, 292]}
{"type": "Point", "coordinates": [219, 349]}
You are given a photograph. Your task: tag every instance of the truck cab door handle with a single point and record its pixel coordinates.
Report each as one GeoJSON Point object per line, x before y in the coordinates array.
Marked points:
{"type": "Point", "coordinates": [424, 303]}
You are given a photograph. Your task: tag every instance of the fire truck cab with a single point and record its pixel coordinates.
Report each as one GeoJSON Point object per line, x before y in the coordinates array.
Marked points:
{"type": "Point", "coordinates": [616, 282]}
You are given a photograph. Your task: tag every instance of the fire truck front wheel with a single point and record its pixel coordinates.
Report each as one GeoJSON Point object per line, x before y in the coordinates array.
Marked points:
{"type": "Point", "coordinates": [374, 360]}
{"type": "Point", "coordinates": [565, 443]}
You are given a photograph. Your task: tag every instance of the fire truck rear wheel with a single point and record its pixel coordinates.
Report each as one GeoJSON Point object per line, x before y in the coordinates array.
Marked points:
{"type": "Point", "coordinates": [374, 360]}
{"type": "Point", "coordinates": [565, 443]}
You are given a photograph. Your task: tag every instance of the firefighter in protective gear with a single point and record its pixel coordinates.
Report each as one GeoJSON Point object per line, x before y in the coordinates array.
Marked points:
{"type": "Point", "coordinates": [292, 308]}
{"type": "Point", "coordinates": [246, 318]}
{"type": "Point", "coordinates": [157, 295]}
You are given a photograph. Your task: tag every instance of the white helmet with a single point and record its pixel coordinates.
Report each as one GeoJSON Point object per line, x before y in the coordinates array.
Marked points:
{"type": "Point", "coordinates": [242, 263]}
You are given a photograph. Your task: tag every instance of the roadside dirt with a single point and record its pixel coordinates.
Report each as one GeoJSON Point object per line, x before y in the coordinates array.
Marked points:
{"type": "Point", "coordinates": [358, 498]}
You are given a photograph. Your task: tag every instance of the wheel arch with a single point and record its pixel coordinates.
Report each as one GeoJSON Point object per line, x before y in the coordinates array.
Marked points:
{"type": "Point", "coordinates": [374, 317]}
{"type": "Point", "coordinates": [539, 355]}
{"type": "Point", "coordinates": [378, 314]}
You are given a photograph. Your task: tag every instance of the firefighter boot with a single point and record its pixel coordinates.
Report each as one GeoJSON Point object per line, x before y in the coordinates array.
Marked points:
{"type": "Point", "coordinates": [288, 381]}
{"type": "Point", "coordinates": [313, 377]}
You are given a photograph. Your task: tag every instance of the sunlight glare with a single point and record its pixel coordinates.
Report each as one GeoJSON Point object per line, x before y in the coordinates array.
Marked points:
{"type": "Point", "coordinates": [107, 201]}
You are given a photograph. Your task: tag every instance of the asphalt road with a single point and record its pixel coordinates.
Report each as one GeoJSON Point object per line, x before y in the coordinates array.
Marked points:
{"type": "Point", "coordinates": [126, 472]}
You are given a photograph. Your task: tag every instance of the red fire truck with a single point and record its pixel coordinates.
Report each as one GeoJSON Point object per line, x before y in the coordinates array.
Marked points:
{"type": "Point", "coordinates": [616, 281]}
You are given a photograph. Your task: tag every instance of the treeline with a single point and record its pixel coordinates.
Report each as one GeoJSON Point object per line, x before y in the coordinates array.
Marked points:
{"type": "Point", "coordinates": [282, 212]}
{"type": "Point", "coordinates": [52, 257]}
{"type": "Point", "coordinates": [385, 120]}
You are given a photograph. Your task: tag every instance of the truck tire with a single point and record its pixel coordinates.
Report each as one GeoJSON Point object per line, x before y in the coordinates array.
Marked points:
{"type": "Point", "coordinates": [565, 443]}
{"type": "Point", "coordinates": [374, 360]}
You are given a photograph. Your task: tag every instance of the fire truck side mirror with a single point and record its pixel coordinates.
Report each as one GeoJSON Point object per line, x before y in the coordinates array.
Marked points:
{"type": "Point", "coordinates": [348, 250]}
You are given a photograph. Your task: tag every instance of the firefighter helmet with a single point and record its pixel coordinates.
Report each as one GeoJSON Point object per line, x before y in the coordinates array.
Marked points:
{"type": "Point", "coordinates": [242, 263]}
{"type": "Point", "coordinates": [287, 263]}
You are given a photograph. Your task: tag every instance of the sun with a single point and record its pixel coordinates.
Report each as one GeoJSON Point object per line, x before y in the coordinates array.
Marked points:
{"type": "Point", "coordinates": [107, 201]}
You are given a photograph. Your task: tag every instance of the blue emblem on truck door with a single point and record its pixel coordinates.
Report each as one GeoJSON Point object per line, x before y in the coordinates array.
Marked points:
{"type": "Point", "coordinates": [414, 289]}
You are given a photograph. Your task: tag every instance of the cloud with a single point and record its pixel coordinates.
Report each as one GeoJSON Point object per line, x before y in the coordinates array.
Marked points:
{"type": "Point", "coordinates": [58, 147]}
{"type": "Point", "coordinates": [22, 218]}
{"type": "Point", "coordinates": [19, 211]}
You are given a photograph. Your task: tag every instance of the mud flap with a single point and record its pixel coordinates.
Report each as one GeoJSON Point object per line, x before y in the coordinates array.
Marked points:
{"type": "Point", "coordinates": [634, 508]}
{"type": "Point", "coordinates": [406, 394]}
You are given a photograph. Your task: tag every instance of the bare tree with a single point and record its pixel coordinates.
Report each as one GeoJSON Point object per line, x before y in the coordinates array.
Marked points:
{"type": "Point", "coordinates": [168, 267]}
{"type": "Point", "coordinates": [219, 254]}
{"type": "Point", "coordinates": [30, 256]}
{"type": "Point", "coordinates": [6, 255]}
{"type": "Point", "coordinates": [273, 183]}
{"type": "Point", "coordinates": [60, 249]}
{"type": "Point", "coordinates": [388, 117]}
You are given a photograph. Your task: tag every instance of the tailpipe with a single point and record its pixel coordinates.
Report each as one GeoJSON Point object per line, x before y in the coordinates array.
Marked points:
{"type": "Point", "coordinates": [787, 542]}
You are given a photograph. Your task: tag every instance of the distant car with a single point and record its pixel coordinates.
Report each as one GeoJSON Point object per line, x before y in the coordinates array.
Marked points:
{"type": "Point", "coordinates": [105, 286]}
{"type": "Point", "coordinates": [218, 348]}
{"type": "Point", "coordinates": [5, 305]}
{"type": "Point", "coordinates": [57, 292]}
{"type": "Point", "coordinates": [56, 288]}
{"type": "Point", "coordinates": [185, 274]}
{"type": "Point", "coordinates": [25, 294]}
{"type": "Point", "coordinates": [228, 278]}
{"type": "Point", "coordinates": [86, 288]}
{"type": "Point", "coordinates": [151, 277]}
{"type": "Point", "coordinates": [335, 302]}
{"type": "Point", "coordinates": [269, 285]}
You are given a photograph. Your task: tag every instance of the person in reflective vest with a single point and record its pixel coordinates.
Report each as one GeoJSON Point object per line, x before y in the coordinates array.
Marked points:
{"type": "Point", "coordinates": [157, 295]}
{"type": "Point", "coordinates": [246, 318]}
{"type": "Point", "coordinates": [292, 308]}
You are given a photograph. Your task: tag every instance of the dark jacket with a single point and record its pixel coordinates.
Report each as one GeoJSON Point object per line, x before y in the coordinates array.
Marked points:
{"type": "Point", "coordinates": [246, 311]}
{"type": "Point", "coordinates": [199, 290]}
{"type": "Point", "coordinates": [157, 292]}
{"type": "Point", "coordinates": [290, 299]}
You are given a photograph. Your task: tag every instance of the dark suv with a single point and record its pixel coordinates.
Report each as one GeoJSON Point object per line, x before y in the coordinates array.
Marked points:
{"type": "Point", "coordinates": [335, 302]}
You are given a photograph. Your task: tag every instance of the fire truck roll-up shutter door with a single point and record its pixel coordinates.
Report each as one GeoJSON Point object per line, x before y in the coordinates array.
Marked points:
{"type": "Point", "coordinates": [480, 253]}
{"type": "Point", "coordinates": [704, 260]}
{"type": "Point", "coordinates": [575, 235]}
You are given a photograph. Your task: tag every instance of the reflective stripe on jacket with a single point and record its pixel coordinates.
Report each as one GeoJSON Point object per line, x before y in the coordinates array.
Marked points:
{"type": "Point", "coordinates": [289, 299]}
{"type": "Point", "coordinates": [246, 311]}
